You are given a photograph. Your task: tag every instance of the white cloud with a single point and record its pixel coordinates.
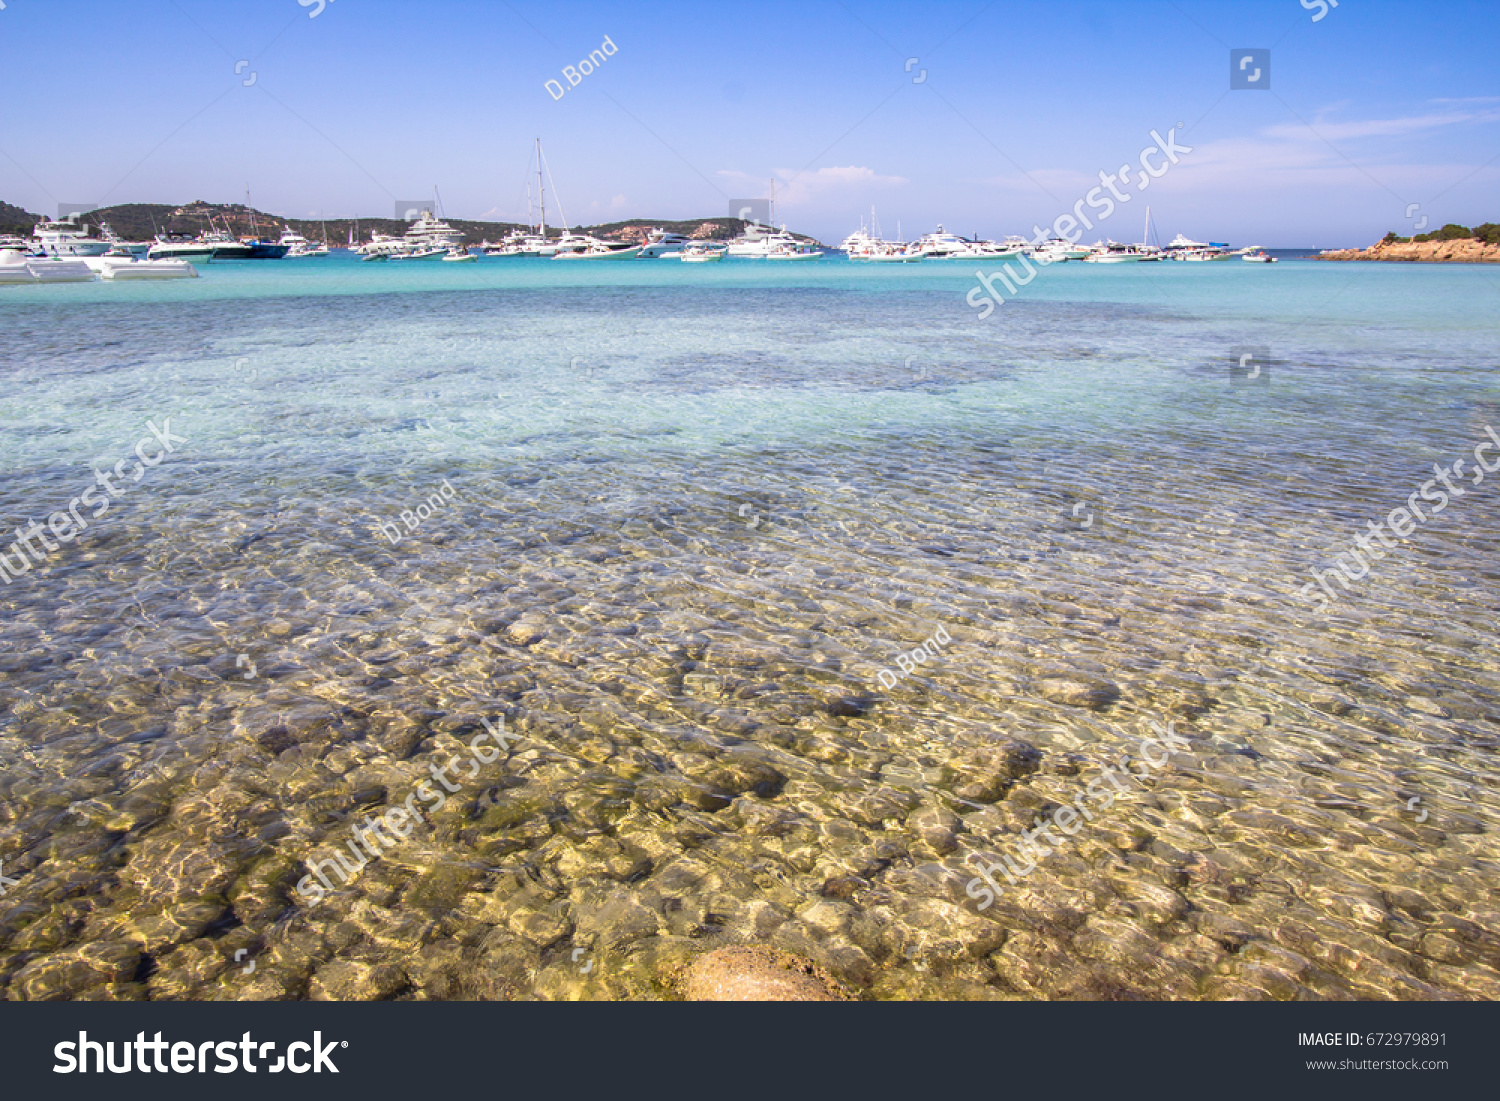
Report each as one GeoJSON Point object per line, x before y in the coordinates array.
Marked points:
{"type": "Point", "coordinates": [1373, 128]}
{"type": "Point", "coordinates": [795, 188]}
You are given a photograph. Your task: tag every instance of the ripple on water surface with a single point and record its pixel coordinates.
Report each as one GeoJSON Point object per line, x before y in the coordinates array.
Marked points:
{"type": "Point", "coordinates": [672, 545]}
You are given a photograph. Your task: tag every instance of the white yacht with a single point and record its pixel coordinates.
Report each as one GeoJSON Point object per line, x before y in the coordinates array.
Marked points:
{"type": "Point", "coordinates": [428, 232]}
{"type": "Point", "coordinates": [759, 241]}
{"type": "Point", "coordinates": [701, 252]}
{"type": "Point", "coordinates": [520, 243]}
{"type": "Point", "coordinates": [1056, 251]}
{"type": "Point", "coordinates": [887, 252]}
{"type": "Point", "coordinates": [128, 268]}
{"type": "Point", "coordinates": [18, 268]}
{"type": "Point", "coordinates": [661, 243]}
{"type": "Point", "coordinates": [420, 254]}
{"type": "Point", "coordinates": [179, 247]}
{"type": "Point", "coordinates": [299, 246]}
{"type": "Point", "coordinates": [943, 245]}
{"type": "Point", "coordinates": [382, 246]}
{"type": "Point", "coordinates": [67, 239]}
{"type": "Point", "coordinates": [119, 246]}
{"type": "Point", "coordinates": [1113, 252]}
{"type": "Point", "coordinates": [576, 246]}
{"type": "Point", "coordinates": [860, 244]}
{"type": "Point", "coordinates": [797, 251]}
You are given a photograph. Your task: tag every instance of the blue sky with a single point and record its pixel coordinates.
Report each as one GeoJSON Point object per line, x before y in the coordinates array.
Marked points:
{"type": "Point", "coordinates": [1371, 108]}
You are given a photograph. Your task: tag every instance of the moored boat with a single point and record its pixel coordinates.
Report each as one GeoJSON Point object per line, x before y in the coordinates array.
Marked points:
{"type": "Point", "coordinates": [67, 239]}
{"type": "Point", "coordinates": [794, 252]}
{"type": "Point", "coordinates": [176, 246]}
{"type": "Point", "coordinates": [701, 253]}
{"type": "Point", "coordinates": [128, 268]}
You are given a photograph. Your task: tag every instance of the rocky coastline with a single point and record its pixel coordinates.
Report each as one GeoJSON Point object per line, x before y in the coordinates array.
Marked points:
{"type": "Point", "coordinates": [1467, 250]}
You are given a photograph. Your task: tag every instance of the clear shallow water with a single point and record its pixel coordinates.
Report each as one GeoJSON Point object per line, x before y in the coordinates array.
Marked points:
{"type": "Point", "coordinates": [695, 511]}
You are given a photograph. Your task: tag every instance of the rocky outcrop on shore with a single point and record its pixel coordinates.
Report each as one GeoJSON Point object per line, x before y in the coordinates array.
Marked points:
{"type": "Point", "coordinates": [1467, 250]}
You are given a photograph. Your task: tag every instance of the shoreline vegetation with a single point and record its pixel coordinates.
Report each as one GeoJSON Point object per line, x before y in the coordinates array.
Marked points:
{"type": "Point", "coordinates": [143, 221]}
{"type": "Point", "coordinates": [1454, 244]}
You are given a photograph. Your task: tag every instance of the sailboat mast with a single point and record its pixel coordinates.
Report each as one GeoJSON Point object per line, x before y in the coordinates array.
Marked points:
{"type": "Point", "coordinates": [1146, 233]}
{"type": "Point", "coordinates": [773, 202]}
{"type": "Point", "coordinates": [541, 188]}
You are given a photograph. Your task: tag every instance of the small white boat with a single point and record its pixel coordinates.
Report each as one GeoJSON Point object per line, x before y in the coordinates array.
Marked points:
{"type": "Point", "coordinates": [1255, 255]}
{"type": "Point", "coordinates": [119, 244]}
{"type": "Point", "coordinates": [129, 268]}
{"type": "Point", "coordinates": [169, 247]}
{"type": "Point", "coordinates": [13, 269]}
{"type": "Point", "coordinates": [598, 250]}
{"type": "Point", "coordinates": [17, 268]}
{"type": "Point", "coordinates": [1058, 251]}
{"type": "Point", "coordinates": [420, 254]}
{"type": "Point", "coordinates": [701, 253]}
{"type": "Point", "coordinates": [66, 239]}
{"type": "Point", "coordinates": [659, 243]}
{"type": "Point", "coordinates": [794, 252]}
{"type": "Point", "coordinates": [299, 247]}
{"type": "Point", "coordinates": [893, 256]}
{"type": "Point", "coordinates": [459, 255]}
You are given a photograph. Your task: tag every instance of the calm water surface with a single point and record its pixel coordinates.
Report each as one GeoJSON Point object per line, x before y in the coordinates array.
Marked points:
{"type": "Point", "coordinates": [675, 521]}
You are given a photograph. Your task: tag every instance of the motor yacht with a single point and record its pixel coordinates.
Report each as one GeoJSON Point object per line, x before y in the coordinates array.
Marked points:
{"type": "Point", "coordinates": [701, 252]}
{"type": "Point", "coordinates": [943, 245]}
{"type": "Point", "coordinates": [67, 239]}
{"type": "Point", "coordinates": [660, 242]}
{"type": "Point", "coordinates": [797, 251]}
{"type": "Point", "coordinates": [520, 243]}
{"type": "Point", "coordinates": [18, 268]}
{"type": "Point", "coordinates": [118, 245]}
{"type": "Point", "coordinates": [299, 246]}
{"type": "Point", "coordinates": [428, 232]}
{"type": "Point", "coordinates": [420, 254]}
{"type": "Point", "coordinates": [1056, 250]}
{"type": "Point", "coordinates": [177, 246]}
{"type": "Point", "coordinates": [759, 241]}
{"type": "Point", "coordinates": [590, 248]}
{"type": "Point", "coordinates": [891, 253]}
{"type": "Point", "coordinates": [128, 268]}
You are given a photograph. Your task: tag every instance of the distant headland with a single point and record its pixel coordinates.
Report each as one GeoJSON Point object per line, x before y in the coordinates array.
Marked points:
{"type": "Point", "coordinates": [143, 221]}
{"type": "Point", "coordinates": [1451, 244]}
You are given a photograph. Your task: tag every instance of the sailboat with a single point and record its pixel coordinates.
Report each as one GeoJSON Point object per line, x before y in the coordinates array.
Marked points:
{"type": "Point", "coordinates": [525, 242]}
{"type": "Point", "coordinates": [760, 241]}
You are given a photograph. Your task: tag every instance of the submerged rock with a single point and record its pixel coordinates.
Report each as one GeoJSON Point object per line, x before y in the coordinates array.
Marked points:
{"type": "Point", "coordinates": [757, 975]}
{"type": "Point", "coordinates": [1075, 691]}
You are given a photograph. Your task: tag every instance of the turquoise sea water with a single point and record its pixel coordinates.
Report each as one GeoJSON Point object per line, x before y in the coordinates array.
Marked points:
{"type": "Point", "coordinates": [680, 518]}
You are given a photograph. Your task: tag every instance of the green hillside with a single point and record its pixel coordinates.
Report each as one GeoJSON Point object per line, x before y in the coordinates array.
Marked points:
{"type": "Point", "coordinates": [142, 221]}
